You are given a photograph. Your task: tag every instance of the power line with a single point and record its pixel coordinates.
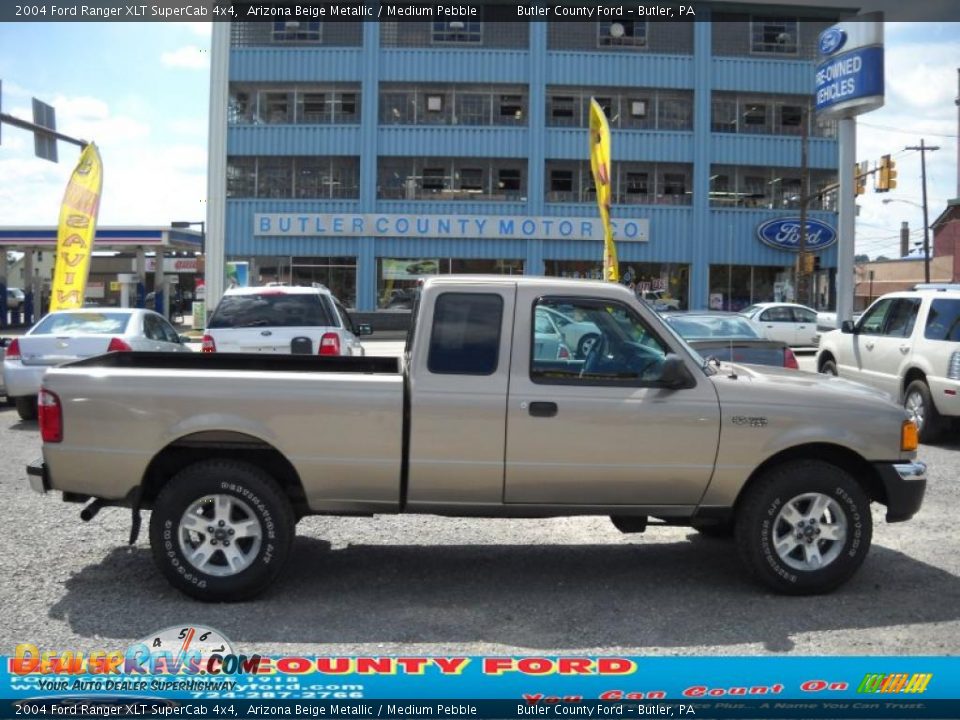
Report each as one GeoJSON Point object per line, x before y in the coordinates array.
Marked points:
{"type": "Point", "coordinates": [904, 132]}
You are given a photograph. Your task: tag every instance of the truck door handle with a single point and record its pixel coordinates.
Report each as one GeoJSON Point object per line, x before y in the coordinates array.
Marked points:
{"type": "Point", "coordinates": [869, 345]}
{"type": "Point", "coordinates": [543, 409]}
{"type": "Point", "coordinates": [904, 349]}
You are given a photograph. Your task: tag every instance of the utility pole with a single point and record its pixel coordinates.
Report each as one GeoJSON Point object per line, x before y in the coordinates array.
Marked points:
{"type": "Point", "coordinates": [924, 149]}
{"type": "Point", "coordinates": [803, 292]}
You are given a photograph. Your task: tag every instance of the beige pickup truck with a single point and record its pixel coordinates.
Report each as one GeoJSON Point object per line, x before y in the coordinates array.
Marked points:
{"type": "Point", "coordinates": [483, 416]}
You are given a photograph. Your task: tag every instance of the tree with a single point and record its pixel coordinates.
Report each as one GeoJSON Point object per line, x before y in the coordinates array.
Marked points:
{"type": "Point", "coordinates": [861, 258]}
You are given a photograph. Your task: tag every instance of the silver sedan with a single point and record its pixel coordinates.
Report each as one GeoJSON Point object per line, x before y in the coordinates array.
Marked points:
{"type": "Point", "coordinates": [67, 335]}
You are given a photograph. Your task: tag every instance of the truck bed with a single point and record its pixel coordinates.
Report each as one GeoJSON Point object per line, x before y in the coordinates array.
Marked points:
{"type": "Point", "coordinates": [243, 362]}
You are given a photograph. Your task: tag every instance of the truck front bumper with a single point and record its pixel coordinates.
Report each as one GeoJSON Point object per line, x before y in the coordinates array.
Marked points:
{"type": "Point", "coordinates": [904, 484]}
{"type": "Point", "coordinates": [38, 476]}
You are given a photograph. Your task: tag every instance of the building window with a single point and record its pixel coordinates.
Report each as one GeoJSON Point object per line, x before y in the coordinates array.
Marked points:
{"type": "Point", "coordinates": [346, 107]}
{"type": "Point", "coordinates": [561, 181]}
{"type": "Point", "coordinates": [241, 107]}
{"type": "Point", "coordinates": [622, 34]}
{"type": "Point", "coordinates": [755, 119]}
{"type": "Point", "coordinates": [433, 179]}
{"type": "Point", "coordinates": [457, 32]}
{"type": "Point", "coordinates": [560, 110]}
{"type": "Point", "coordinates": [674, 113]}
{"type": "Point", "coordinates": [791, 119]}
{"type": "Point", "coordinates": [509, 180]}
{"type": "Point", "coordinates": [638, 108]}
{"type": "Point", "coordinates": [473, 109]}
{"type": "Point", "coordinates": [675, 185]}
{"type": "Point", "coordinates": [242, 178]}
{"type": "Point", "coordinates": [276, 108]}
{"type": "Point", "coordinates": [312, 107]}
{"type": "Point", "coordinates": [274, 178]}
{"type": "Point", "coordinates": [636, 187]}
{"type": "Point", "coordinates": [294, 31]}
{"type": "Point", "coordinates": [434, 103]}
{"type": "Point", "coordinates": [471, 179]}
{"type": "Point", "coordinates": [510, 109]}
{"type": "Point", "coordinates": [775, 35]}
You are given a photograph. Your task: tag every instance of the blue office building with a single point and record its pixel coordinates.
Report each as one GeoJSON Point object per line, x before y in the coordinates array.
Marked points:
{"type": "Point", "coordinates": [365, 155]}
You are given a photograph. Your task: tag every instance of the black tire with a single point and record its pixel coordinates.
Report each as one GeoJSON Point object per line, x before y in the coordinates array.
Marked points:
{"type": "Point", "coordinates": [790, 487]}
{"type": "Point", "coordinates": [919, 403]}
{"type": "Point", "coordinates": [248, 494]}
{"type": "Point", "coordinates": [26, 407]}
{"type": "Point", "coordinates": [585, 343]}
{"type": "Point", "coordinates": [829, 367]}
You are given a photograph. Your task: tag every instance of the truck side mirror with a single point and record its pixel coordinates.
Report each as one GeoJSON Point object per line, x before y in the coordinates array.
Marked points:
{"type": "Point", "coordinates": [847, 327]}
{"type": "Point", "coordinates": [674, 374]}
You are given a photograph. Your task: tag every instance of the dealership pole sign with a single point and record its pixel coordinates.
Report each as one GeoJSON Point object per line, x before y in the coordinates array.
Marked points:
{"type": "Point", "coordinates": [849, 79]}
{"type": "Point", "coordinates": [784, 234]}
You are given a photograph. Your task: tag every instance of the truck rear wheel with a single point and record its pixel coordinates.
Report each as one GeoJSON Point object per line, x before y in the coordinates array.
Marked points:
{"type": "Point", "coordinates": [221, 530]}
{"type": "Point", "coordinates": [804, 527]}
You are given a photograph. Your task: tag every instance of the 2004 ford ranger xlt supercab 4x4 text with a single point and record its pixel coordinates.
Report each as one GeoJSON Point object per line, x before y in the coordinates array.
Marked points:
{"type": "Point", "coordinates": [229, 451]}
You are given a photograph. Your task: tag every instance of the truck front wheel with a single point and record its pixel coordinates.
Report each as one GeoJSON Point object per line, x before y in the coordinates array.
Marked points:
{"type": "Point", "coordinates": [804, 527]}
{"type": "Point", "coordinates": [221, 530]}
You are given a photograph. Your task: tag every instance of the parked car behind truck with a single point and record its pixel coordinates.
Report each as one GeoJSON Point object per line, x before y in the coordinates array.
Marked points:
{"type": "Point", "coordinates": [908, 345]}
{"type": "Point", "coordinates": [228, 451]}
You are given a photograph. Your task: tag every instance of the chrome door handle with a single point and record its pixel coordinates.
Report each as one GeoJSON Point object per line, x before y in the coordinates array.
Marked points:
{"type": "Point", "coordinates": [904, 349]}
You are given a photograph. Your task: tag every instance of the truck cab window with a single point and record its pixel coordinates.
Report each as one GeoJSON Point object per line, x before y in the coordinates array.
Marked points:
{"type": "Point", "coordinates": [465, 339]}
{"type": "Point", "coordinates": [593, 342]}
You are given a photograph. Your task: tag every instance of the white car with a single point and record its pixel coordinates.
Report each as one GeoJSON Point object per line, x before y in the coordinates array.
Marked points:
{"type": "Point", "coordinates": [908, 344]}
{"type": "Point", "coordinates": [67, 335]}
{"type": "Point", "coordinates": [282, 320]}
{"type": "Point", "coordinates": [795, 325]}
{"type": "Point", "coordinates": [577, 335]}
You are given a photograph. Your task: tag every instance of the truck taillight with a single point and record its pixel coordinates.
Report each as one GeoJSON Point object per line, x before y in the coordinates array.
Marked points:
{"type": "Point", "coordinates": [118, 345]}
{"type": "Point", "coordinates": [330, 344]}
{"type": "Point", "coordinates": [790, 360]}
{"type": "Point", "coordinates": [13, 350]}
{"type": "Point", "coordinates": [208, 344]}
{"type": "Point", "coordinates": [50, 416]}
{"type": "Point", "coordinates": [563, 353]}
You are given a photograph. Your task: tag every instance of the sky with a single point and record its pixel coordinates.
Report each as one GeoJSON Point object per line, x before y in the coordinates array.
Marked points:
{"type": "Point", "coordinates": [141, 91]}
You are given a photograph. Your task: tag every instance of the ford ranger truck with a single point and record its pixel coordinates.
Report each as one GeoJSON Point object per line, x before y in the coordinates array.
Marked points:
{"type": "Point", "coordinates": [229, 451]}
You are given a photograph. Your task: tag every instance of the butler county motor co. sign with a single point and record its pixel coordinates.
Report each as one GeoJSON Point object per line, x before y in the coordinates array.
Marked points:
{"type": "Point", "coordinates": [446, 226]}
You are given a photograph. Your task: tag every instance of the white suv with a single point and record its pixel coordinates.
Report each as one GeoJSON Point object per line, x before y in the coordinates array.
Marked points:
{"type": "Point", "coordinates": [908, 344]}
{"type": "Point", "coordinates": [298, 320]}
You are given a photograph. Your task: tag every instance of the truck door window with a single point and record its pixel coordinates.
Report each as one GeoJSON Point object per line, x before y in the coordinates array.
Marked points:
{"type": "Point", "coordinates": [608, 345]}
{"type": "Point", "coordinates": [901, 317]}
{"type": "Point", "coordinates": [465, 339]}
{"type": "Point", "coordinates": [872, 321]}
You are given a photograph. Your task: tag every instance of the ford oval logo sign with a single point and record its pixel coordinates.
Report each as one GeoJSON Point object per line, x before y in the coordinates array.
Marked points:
{"type": "Point", "coordinates": [784, 234]}
{"type": "Point", "coordinates": [832, 40]}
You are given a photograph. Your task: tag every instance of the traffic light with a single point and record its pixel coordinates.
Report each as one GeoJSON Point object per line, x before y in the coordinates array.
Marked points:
{"type": "Point", "coordinates": [888, 175]}
{"type": "Point", "coordinates": [860, 178]}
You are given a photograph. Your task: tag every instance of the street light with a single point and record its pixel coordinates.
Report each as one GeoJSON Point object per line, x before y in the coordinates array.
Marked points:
{"type": "Point", "coordinates": [926, 234]}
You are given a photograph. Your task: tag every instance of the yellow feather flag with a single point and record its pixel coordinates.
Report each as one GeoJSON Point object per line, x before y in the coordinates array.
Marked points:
{"type": "Point", "coordinates": [600, 167]}
{"type": "Point", "coordinates": [78, 225]}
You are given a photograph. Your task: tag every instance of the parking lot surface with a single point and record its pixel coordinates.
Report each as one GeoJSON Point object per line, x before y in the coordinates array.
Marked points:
{"type": "Point", "coordinates": [435, 585]}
